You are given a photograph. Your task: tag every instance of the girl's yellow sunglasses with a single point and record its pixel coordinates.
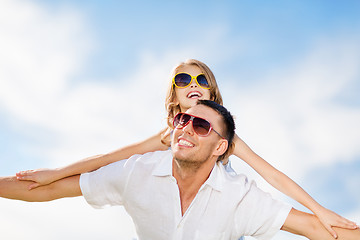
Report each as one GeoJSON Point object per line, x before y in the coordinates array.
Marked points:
{"type": "Point", "coordinates": [183, 80]}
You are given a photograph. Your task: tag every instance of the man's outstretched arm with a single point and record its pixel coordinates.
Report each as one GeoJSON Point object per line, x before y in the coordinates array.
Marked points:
{"type": "Point", "coordinates": [12, 188]}
{"type": "Point", "coordinates": [308, 225]}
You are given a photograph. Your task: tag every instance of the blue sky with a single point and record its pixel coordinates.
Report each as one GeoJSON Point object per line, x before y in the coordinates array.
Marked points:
{"type": "Point", "coordinates": [77, 77]}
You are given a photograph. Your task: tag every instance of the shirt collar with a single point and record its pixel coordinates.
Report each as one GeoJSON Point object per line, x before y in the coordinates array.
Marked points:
{"type": "Point", "coordinates": [215, 179]}
{"type": "Point", "coordinates": [164, 168]}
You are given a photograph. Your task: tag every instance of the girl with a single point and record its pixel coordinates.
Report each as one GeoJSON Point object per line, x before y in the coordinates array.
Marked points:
{"type": "Point", "coordinates": [193, 80]}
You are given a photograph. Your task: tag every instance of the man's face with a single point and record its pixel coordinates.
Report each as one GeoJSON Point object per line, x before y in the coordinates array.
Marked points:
{"type": "Point", "coordinates": [191, 149]}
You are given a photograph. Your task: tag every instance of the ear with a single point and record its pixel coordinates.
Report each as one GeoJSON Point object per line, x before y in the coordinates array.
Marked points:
{"type": "Point", "coordinates": [221, 147]}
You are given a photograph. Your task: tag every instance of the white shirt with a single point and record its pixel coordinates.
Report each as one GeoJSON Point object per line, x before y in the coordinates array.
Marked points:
{"type": "Point", "coordinates": [226, 206]}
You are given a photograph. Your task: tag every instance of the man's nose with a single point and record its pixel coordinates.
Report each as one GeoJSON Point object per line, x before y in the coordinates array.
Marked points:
{"type": "Point", "coordinates": [189, 128]}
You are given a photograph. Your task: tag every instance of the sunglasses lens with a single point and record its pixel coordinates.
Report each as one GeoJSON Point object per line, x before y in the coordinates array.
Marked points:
{"type": "Point", "coordinates": [201, 126]}
{"type": "Point", "coordinates": [201, 79]}
{"type": "Point", "coordinates": [182, 79]}
{"type": "Point", "coordinates": [181, 119]}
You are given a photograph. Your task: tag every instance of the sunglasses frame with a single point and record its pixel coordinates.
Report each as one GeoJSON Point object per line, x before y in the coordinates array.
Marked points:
{"type": "Point", "coordinates": [192, 78]}
{"type": "Point", "coordinates": [192, 117]}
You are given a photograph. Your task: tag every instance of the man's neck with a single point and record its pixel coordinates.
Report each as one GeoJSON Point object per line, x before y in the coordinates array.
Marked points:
{"type": "Point", "coordinates": [190, 180]}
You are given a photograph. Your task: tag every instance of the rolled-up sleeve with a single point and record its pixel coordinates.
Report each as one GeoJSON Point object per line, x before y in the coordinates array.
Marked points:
{"type": "Point", "coordinates": [259, 215]}
{"type": "Point", "coordinates": [105, 186]}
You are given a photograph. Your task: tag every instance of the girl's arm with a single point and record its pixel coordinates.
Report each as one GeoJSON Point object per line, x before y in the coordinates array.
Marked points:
{"type": "Point", "coordinates": [287, 186]}
{"type": "Point", "coordinates": [46, 176]}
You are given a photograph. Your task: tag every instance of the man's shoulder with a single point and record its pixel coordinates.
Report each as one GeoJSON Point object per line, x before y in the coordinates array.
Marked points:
{"type": "Point", "coordinates": [151, 157]}
{"type": "Point", "coordinates": [231, 177]}
{"type": "Point", "coordinates": [149, 161]}
{"type": "Point", "coordinates": [233, 180]}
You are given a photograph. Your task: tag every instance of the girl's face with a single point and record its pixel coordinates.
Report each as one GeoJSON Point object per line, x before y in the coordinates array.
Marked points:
{"type": "Point", "coordinates": [187, 97]}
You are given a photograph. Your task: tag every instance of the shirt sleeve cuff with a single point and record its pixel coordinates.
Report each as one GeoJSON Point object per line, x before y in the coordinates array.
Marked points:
{"type": "Point", "coordinates": [278, 222]}
{"type": "Point", "coordinates": [85, 190]}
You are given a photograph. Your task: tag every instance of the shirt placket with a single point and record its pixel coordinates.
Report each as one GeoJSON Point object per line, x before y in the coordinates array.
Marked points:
{"type": "Point", "coordinates": [178, 233]}
{"type": "Point", "coordinates": [180, 220]}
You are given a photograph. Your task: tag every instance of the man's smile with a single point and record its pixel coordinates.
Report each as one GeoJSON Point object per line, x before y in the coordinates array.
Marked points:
{"type": "Point", "coordinates": [185, 143]}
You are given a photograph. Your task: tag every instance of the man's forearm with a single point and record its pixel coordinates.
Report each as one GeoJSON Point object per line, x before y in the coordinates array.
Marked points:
{"type": "Point", "coordinates": [309, 226]}
{"type": "Point", "coordinates": [12, 188]}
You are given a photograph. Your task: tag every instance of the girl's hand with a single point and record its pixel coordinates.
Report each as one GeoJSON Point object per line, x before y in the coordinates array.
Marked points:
{"type": "Point", "coordinates": [40, 177]}
{"type": "Point", "coordinates": [330, 219]}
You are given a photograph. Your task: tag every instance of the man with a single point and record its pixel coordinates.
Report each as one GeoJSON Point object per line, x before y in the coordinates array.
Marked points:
{"type": "Point", "coordinates": [184, 193]}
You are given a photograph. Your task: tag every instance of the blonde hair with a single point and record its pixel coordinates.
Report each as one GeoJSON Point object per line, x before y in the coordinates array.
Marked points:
{"type": "Point", "coordinates": [171, 104]}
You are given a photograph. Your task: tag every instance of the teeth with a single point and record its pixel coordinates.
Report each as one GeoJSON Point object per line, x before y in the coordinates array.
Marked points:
{"type": "Point", "coordinates": [194, 94]}
{"type": "Point", "coordinates": [186, 143]}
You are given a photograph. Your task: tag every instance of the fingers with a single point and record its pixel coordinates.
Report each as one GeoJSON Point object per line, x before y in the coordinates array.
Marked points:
{"type": "Point", "coordinates": [330, 219]}
{"type": "Point", "coordinates": [331, 231]}
{"type": "Point", "coordinates": [33, 186]}
{"type": "Point", "coordinates": [25, 175]}
{"type": "Point", "coordinates": [345, 223]}
{"type": "Point", "coordinates": [28, 176]}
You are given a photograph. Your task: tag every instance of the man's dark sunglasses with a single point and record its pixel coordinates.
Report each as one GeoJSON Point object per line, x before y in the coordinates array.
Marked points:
{"type": "Point", "coordinates": [201, 126]}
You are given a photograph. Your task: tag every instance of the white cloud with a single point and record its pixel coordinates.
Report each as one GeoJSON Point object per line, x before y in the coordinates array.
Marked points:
{"type": "Point", "coordinates": [290, 119]}
{"type": "Point", "coordinates": [62, 219]}
{"type": "Point", "coordinates": [292, 116]}
{"type": "Point", "coordinates": [328, 182]}
{"type": "Point", "coordinates": [41, 50]}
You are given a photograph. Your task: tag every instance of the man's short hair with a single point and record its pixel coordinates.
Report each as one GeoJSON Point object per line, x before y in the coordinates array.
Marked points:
{"type": "Point", "coordinates": [228, 121]}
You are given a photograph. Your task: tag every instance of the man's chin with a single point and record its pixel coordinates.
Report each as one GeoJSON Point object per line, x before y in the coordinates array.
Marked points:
{"type": "Point", "coordinates": [186, 164]}
{"type": "Point", "coordinates": [180, 156]}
